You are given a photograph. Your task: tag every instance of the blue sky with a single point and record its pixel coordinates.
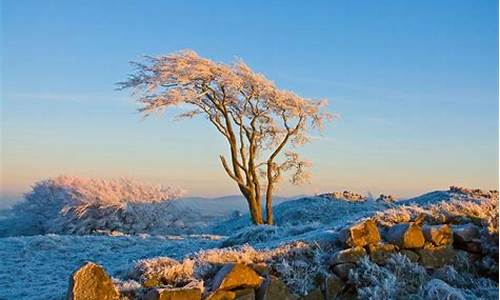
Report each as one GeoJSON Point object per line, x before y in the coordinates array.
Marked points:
{"type": "Point", "coordinates": [415, 84]}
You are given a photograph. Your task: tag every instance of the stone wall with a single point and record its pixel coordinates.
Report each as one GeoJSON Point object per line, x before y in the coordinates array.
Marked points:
{"type": "Point", "coordinates": [431, 246]}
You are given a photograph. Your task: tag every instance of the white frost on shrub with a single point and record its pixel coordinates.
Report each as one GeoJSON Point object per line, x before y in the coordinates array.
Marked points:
{"type": "Point", "coordinates": [76, 205]}
{"type": "Point", "coordinates": [437, 289]}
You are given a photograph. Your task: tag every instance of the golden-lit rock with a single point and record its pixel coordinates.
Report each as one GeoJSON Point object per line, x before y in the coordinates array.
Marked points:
{"type": "Point", "coordinates": [406, 236]}
{"type": "Point", "coordinates": [360, 234]}
{"type": "Point", "coordinates": [236, 276]}
{"type": "Point", "coordinates": [91, 282]}
{"type": "Point", "coordinates": [439, 235]}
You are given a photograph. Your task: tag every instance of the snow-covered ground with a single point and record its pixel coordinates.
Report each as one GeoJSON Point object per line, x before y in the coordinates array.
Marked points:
{"type": "Point", "coordinates": [38, 266]}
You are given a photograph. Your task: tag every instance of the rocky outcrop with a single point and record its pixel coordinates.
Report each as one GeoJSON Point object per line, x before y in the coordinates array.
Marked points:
{"type": "Point", "coordinates": [345, 195]}
{"type": "Point", "coordinates": [173, 294]}
{"type": "Point", "coordinates": [273, 288]}
{"type": "Point", "coordinates": [90, 282]}
{"type": "Point", "coordinates": [379, 253]}
{"type": "Point", "coordinates": [360, 234]}
{"type": "Point", "coordinates": [438, 235]}
{"type": "Point", "coordinates": [432, 246]}
{"type": "Point", "coordinates": [406, 236]}
{"type": "Point", "coordinates": [350, 255]}
{"type": "Point", "coordinates": [236, 276]}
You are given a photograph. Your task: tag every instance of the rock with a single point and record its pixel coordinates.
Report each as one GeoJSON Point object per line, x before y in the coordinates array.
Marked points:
{"type": "Point", "coordinates": [379, 253]}
{"type": "Point", "coordinates": [333, 286]}
{"type": "Point", "coordinates": [436, 257]}
{"type": "Point", "coordinates": [315, 294]}
{"type": "Point", "coordinates": [151, 282]}
{"type": "Point", "coordinates": [173, 294]}
{"type": "Point", "coordinates": [342, 270]}
{"type": "Point", "coordinates": [90, 282]}
{"type": "Point", "coordinates": [345, 195]}
{"type": "Point", "coordinates": [261, 268]}
{"type": "Point", "coordinates": [221, 295]}
{"type": "Point", "coordinates": [465, 233]}
{"type": "Point", "coordinates": [413, 256]}
{"type": "Point", "coordinates": [245, 294]}
{"type": "Point", "coordinates": [439, 235]}
{"type": "Point", "coordinates": [406, 236]}
{"type": "Point", "coordinates": [473, 247]}
{"type": "Point", "coordinates": [273, 288]}
{"type": "Point", "coordinates": [351, 255]}
{"type": "Point", "coordinates": [360, 234]}
{"type": "Point", "coordinates": [235, 276]}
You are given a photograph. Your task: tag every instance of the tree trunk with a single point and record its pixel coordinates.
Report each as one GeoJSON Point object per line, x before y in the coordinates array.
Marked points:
{"type": "Point", "coordinates": [269, 208]}
{"type": "Point", "coordinates": [253, 205]}
{"type": "Point", "coordinates": [255, 211]}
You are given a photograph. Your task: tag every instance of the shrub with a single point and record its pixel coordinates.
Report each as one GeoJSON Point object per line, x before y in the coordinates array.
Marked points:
{"type": "Point", "coordinates": [76, 205]}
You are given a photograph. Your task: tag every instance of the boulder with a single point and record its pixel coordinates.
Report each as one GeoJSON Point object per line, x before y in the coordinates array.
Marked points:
{"type": "Point", "coordinates": [406, 236]}
{"type": "Point", "coordinates": [273, 288]}
{"type": "Point", "coordinates": [379, 253]}
{"type": "Point", "coordinates": [235, 276]}
{"type": "Point", "coordinates": [342, 270]}
{"type": "Point", "coordinates": [90, 282]}
{"type": "Point", "coordinates": [438, 235]}
{"type": "Point", "coordinates": [351, 255]}
{"type": "Point", "coordinates": [436, 257]}
{"type": "Point", "coordinates": [473, 247]}
{"type": "Point", "coordinates": [332, 287]}
{"type": "Point", "coordinates": [173, 294]}
{"type": "Point", "coordinates": [221, 295]}
{"type": "Point", "coordinates": [245, 294]}
{"type": "Point", "coordinates": [242, 294]}
{"type": "Point", "coordinates": [465, 233]}
{"type": "Point", "coordinates": [360, 234]}
{"type": "Point", "coordinates": [261, 268]}
{"type": "Point", "coordinates": [315, 294]}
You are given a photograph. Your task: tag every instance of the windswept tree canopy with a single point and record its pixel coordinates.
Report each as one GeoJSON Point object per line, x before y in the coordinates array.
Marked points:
{"type": "Point", "coordinates": [255, 117]}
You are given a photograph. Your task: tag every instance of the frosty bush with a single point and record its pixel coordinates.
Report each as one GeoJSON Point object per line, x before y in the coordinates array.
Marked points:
{"type": "Point", "coordinates": [163, 269]}
{"type": "Point", "coordinates": [76, 205]}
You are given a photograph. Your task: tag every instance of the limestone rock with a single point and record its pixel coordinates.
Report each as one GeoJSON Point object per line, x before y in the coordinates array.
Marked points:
{"type": "Point", "coordinates": [91, 282]}
{"type": "Point", "coordinates": [234, 276]}
{"type": "Point", "coordinates": [174, 294]}
{"type": "Point", "coordinates": [261, 268]}
{"type": "Point", "coordinates": [465, 233]}
{"type": "Point", "coordinates": [242, 294]}
{"type": "Point", "coordinates": [436, 257]}
{"type": "Point", "coordinates": [351, 255]}
{"type": "Point", "coordinates": [342, 270]}
{"type": "Point", "coordinates": [406, 236]}
{"type": "Point", "coordinates": [360, 234]}
{"type": "Point", "coordinates": [245, 294]}
{"type": "Point", "coordinates": [333, 286]}
{"type": "Point", "coordinates": [221, 295]}
{"type": "Point", "coordinates": [273, 288]}
{"type": "Point", "coordinates": [473, 247]}
{"type": "Point", "coordinates": [439, 235]}
{"type": "Point", "coordinates": [379, 253]}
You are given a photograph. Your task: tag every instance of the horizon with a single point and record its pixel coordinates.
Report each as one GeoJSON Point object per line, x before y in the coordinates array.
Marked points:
{"type": "Point", "coordinates": [418, 101]}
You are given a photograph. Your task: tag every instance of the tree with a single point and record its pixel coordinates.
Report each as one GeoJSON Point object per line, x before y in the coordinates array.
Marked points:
{"type": "Point", "coordinates": [257, 119]}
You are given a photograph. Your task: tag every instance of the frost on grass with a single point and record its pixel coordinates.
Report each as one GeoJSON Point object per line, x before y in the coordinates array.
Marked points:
{"type": "Point", "coordinates": [402, 279]}
{"type": "Point", "coordinates": [298, 265]}
{"type": "Point", "coordinates": [76, 205]}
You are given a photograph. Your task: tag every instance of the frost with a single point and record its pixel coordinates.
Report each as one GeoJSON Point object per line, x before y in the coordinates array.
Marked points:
{"type": "Point", "coordinates": [75, 205]}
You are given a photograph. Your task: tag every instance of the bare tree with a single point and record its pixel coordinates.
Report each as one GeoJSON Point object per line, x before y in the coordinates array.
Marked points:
{"type": "Point", "coordinates": [257, 119]}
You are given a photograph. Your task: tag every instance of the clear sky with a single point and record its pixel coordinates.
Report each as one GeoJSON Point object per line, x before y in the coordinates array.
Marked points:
{"type": "Point", "coordinates": [415, 84]}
